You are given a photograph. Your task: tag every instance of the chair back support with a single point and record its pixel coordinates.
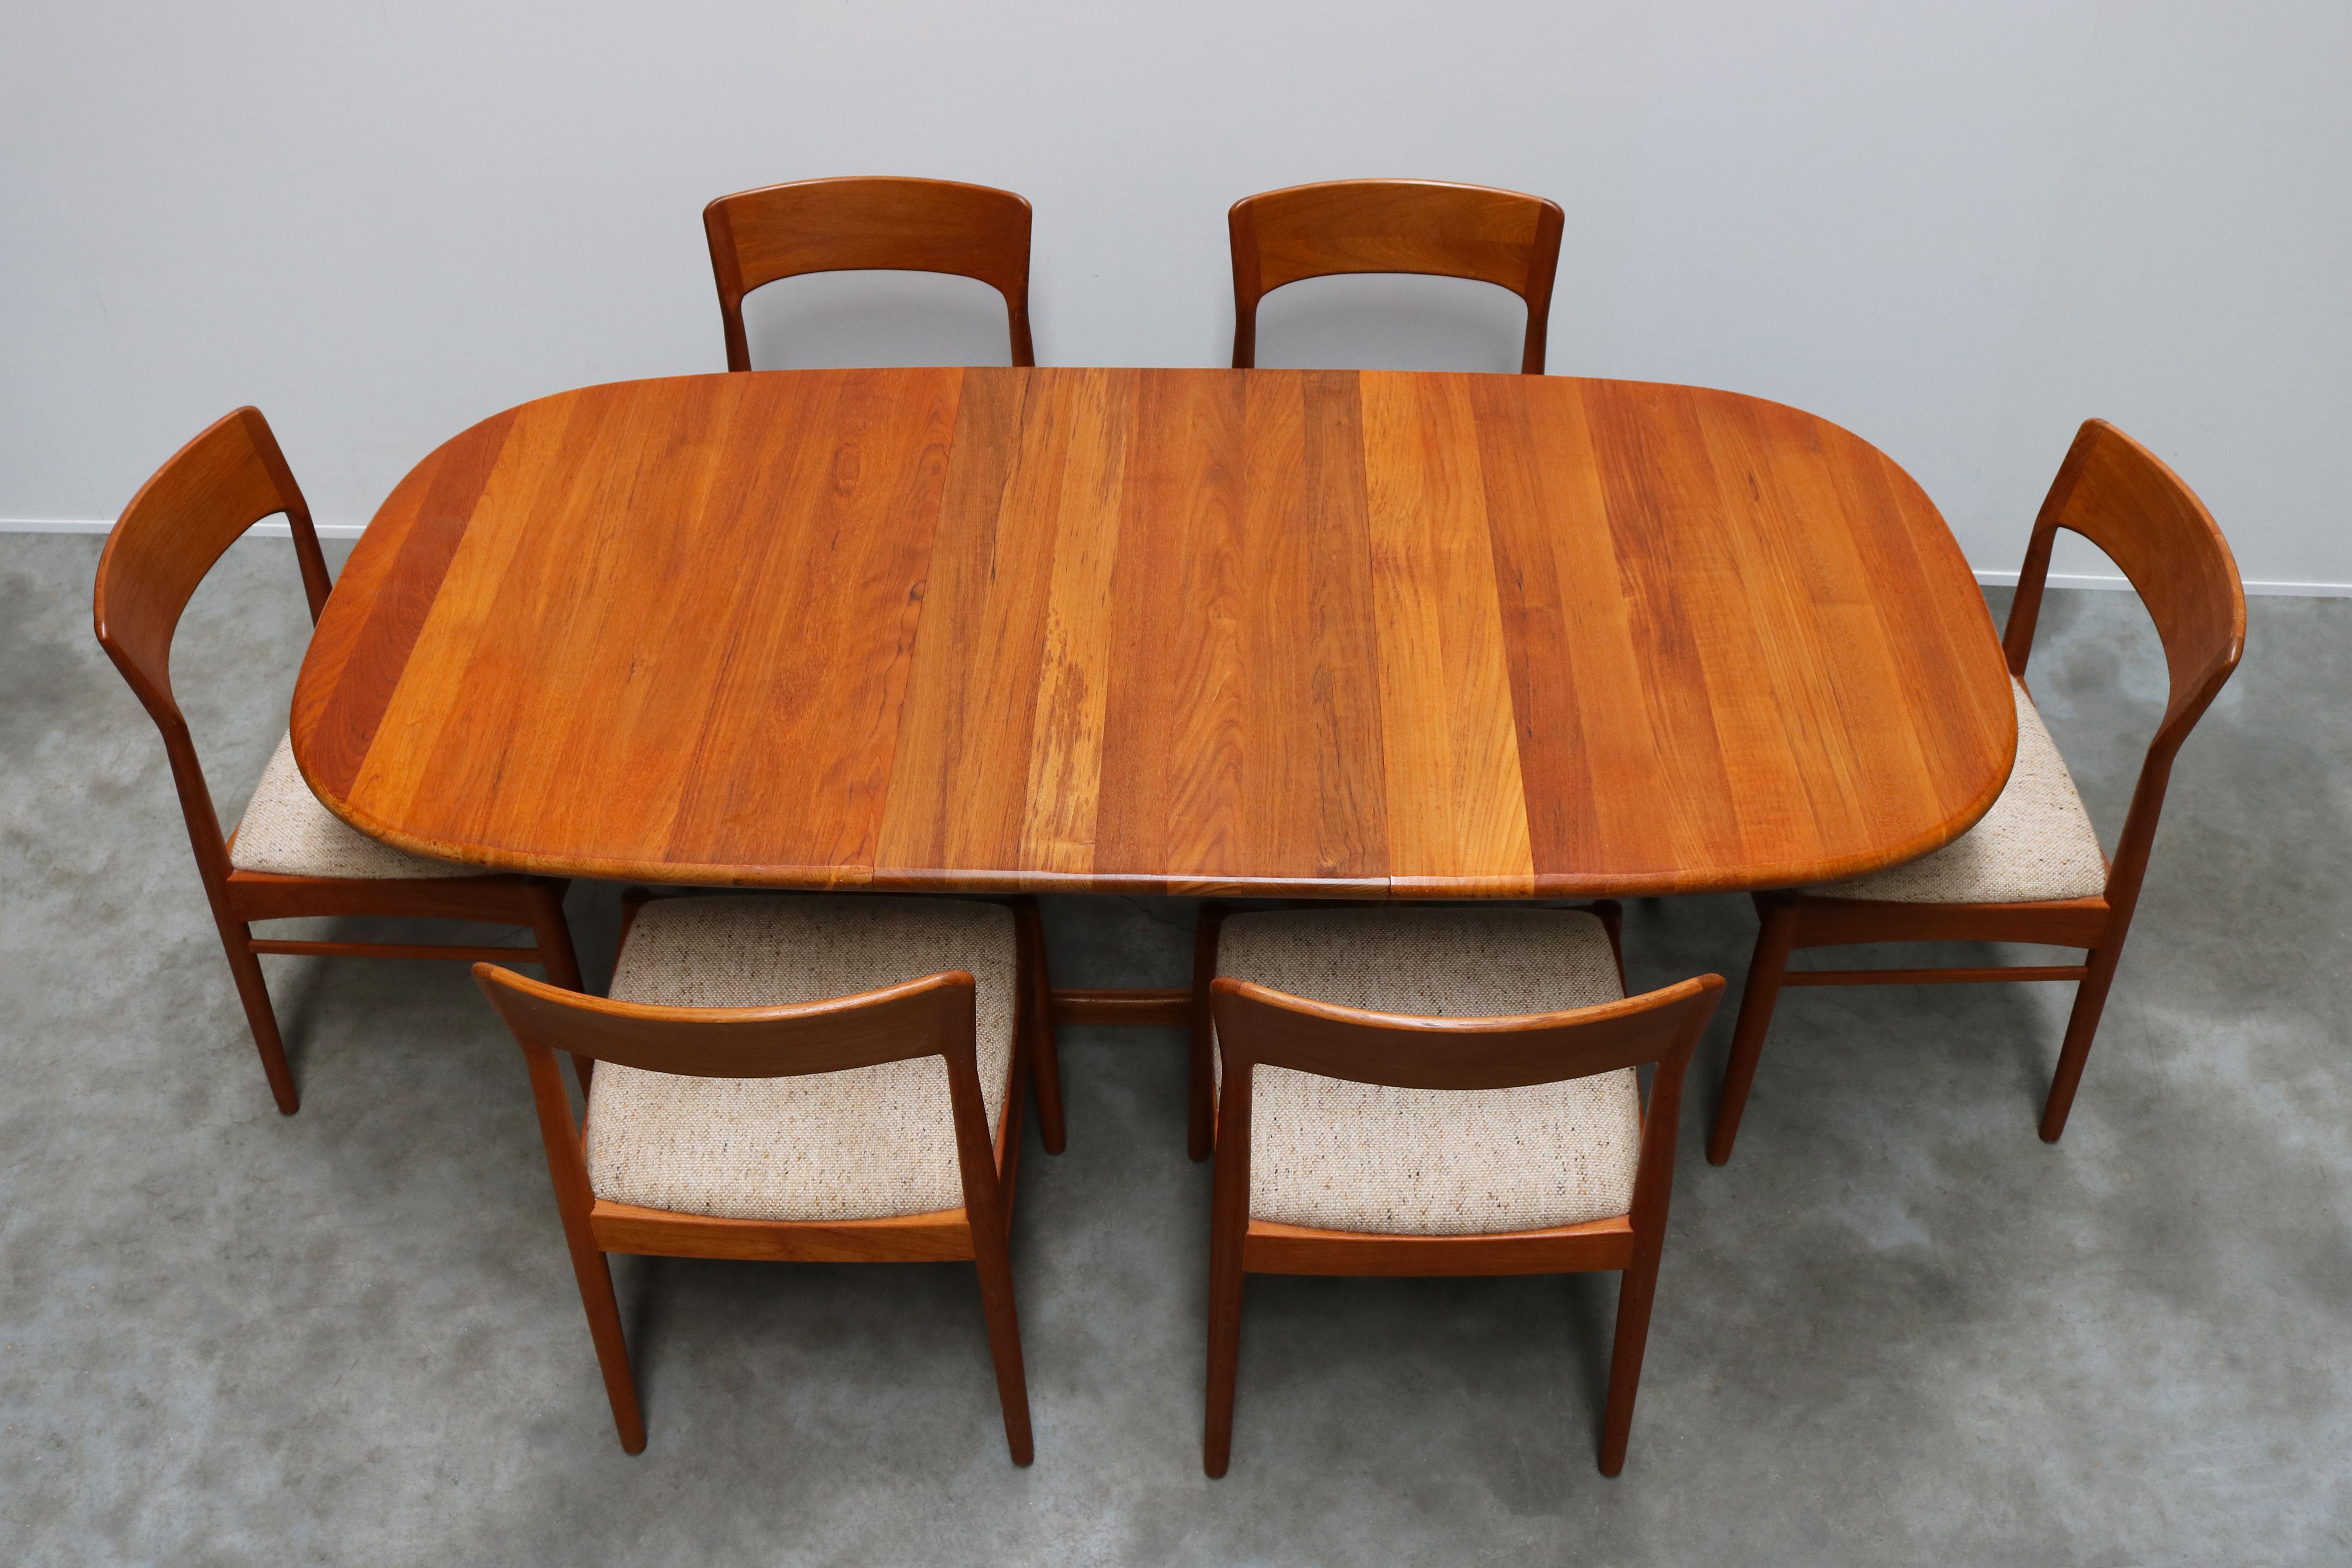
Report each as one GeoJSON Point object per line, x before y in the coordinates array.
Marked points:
{"type": "Point", "coordinates": [1257, 1027]}
{"type": "Point", "coordinates": [863, 223]}
{"type": "Point", "coordinates": [927, 1017]}
{"type": "Point", "coordinates": [181, 522]}
{"type": "Point", "coordinates": [1426, 226]}
{"type": "Point", "coordinates": [932, 1016]}
{"type": "Point", "coordinates": [2121, 496]}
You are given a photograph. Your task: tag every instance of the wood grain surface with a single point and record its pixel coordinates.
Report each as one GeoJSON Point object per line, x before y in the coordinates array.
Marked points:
{"type": "Point", "coordinates": [1319, 632]}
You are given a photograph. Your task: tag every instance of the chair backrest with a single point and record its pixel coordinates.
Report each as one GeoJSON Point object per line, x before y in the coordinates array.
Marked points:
{"type": "Point", "coordinates": [1427, 227]}
{"type": "Point", "coordinates": [932, 1016]}
{"type": "Point", "coordinates": [2121, 496]}
{"type": "Point", "coordinates": [181, 522]}
{"type": "Point", "coordinates": [1257, 1027]}
{"type": "Point", "coordinates": [869, 222]}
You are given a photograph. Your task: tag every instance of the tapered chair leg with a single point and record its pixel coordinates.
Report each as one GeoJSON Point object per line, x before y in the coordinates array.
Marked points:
{"type": "Point", "coordinates": [2081, 1025]}
{"type": "Point", "coordinates": [1200, 1132]}
{"type": "Point", "coordinates": [1635, 1292]}
{"type": "Point", "coordinates": [1225, 1367]}
{"type": "Point", "coordinates": [551, 933]}
{"type": "Point", "coordinates": [1611, 915]}
{"type": "Point", "coordinates": [253, 990]}
{"type": "Point", "coordinates": [995, 1270]}
{"type": "Point", "coordinates": [1757, 1000]}
{"type": "Point", "coordinates": [1045, 1057]}
{"type": "Point", "coordinates": [1225, 1279]}
{"type": "Point", "coordinates": [594, 1273]}
{"type": "Point", "coordinates": [1045, 1077]}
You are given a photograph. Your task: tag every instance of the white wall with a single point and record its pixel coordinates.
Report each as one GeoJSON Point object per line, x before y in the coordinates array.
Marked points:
{"type": "Point", "coordinates": [1957, 228]}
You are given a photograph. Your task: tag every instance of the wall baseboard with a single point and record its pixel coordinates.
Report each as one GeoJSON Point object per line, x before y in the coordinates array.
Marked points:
{"type": "Point", "coordinates": [2085, 580]}
{"type": "Point", "coordinates": [269, 528]}
{"type": "Point", "coordinates": [273, 529]}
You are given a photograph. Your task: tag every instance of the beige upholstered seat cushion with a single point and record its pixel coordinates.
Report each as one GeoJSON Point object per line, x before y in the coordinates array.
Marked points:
{"type": "Point", "coordinates": [2037, 841]}
{"type": "Point", "coordinates": [286, 830]}
{"type": "Point", "coordinates": [862, 1145]}
{"type": "Point", "coordinates": [1417, 1161]}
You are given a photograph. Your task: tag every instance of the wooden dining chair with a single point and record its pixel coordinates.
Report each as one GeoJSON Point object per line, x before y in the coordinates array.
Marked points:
{"type": "Point", "coordinates": [2031, 870]}
{"type": "Point", "coordinates": [1426, 226]}
{"type": "Point", "coordinates": [825, 1079]}
{"type": "Point", "coordinates": [1433, 1091]}
{"type": "Point", "coordinates": [864, 222]}
{"type": "Point", "coordinates": [289, 856]}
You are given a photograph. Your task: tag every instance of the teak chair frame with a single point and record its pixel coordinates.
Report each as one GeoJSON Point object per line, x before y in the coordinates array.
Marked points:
{"type": "Point", "coordinates": [860, 223]}
{"type": "Point", "coordinates": [929, 1016]}
{"type": "Point", "coordinates": [174, 529]}
{"type": "Point", "coordinates": [2122, 497]}
{"type": "Point", "coordinates": [1257, 1027]}
{"type": "Point", "coordinates": [1208, 930]}
{"type": "Point", "coordinates": [1424, 227]}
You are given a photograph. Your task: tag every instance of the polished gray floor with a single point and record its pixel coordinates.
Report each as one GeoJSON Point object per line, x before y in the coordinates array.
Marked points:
{"type": "Point", "coordinates": [1897, 1328]}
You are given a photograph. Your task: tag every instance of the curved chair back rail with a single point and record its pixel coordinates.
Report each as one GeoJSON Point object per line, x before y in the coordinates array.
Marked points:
{"type": "Point", "coordinates": [176, 529]}
{"type": "Point", "coordinates": [171, 535]}
{"type": "Point", "coordinates": [1257, 1026]}
{"type": "Point", "coordinates": [860, 223]}
{"type": "Point", "coordinates": [923, 1017]}
{"type": "Point", "coordinates": [2121, 496]}
{"type": "Point", "coordinates": [1430, 228]}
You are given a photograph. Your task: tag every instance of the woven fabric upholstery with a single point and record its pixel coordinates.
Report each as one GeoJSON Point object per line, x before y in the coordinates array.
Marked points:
{"type": "Point", "coordinates": [1419, 1162]}
{"type": "Point", "coordinates": [2037, 841]}
{"type": "Point", "coordinates": [286, 830]}
{"type": "Point", "coordinates": [863, 1144]}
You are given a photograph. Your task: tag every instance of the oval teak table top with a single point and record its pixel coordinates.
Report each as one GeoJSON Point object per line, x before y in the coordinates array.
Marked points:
{"type": "Point", "coordinates": [1339, 633]}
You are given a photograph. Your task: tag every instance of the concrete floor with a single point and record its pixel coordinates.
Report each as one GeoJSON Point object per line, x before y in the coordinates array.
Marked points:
{"type": "Point", "coordinates": [1897, 1328]}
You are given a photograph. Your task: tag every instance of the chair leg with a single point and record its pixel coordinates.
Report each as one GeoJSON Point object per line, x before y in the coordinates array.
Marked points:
{"type": "Point", "coordinates": [595, 1275]}
{"type": "Point", "coordinates": [1611, 915]}
{"type": "Point", "coordinates": [253, 990]}
{"type": "Point", "coordinates": [2082, 1025]}
{"type": "Point", "coordinates": [1756, 999]}
{"type": "Point", "coordinates": [1226, 1280]}
{"type": "Point", "coordinates": [1046, 1075]}
{"type": "Point", "coordinates": [553, 935]}
{"type": "Point", "coordinates": [996, 1270]}
{"type": "Point", "coordinates": [1008, 1175]}
{"type": "Point", "coordinates": [1045, 1050]}
{"type": "Point", "coordinates": [1635, 1290]}
{"type": "Point", "coordinates": [1199, 1129]}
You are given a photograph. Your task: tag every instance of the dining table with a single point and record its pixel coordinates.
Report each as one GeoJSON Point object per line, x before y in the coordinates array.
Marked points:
{"type": "Point", "coordinates": [1284, 634]}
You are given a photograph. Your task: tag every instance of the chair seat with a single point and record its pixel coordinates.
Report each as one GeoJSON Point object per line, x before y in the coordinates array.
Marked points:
{"type": "Point", "coordinates": [1406, 1161]}
{"type": "Point", "coordinates": [286, 832]}
{"type": "Point", "coordinates": [2036, 843]}
{"type": "Point", "coordinates": [867, 1143]}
